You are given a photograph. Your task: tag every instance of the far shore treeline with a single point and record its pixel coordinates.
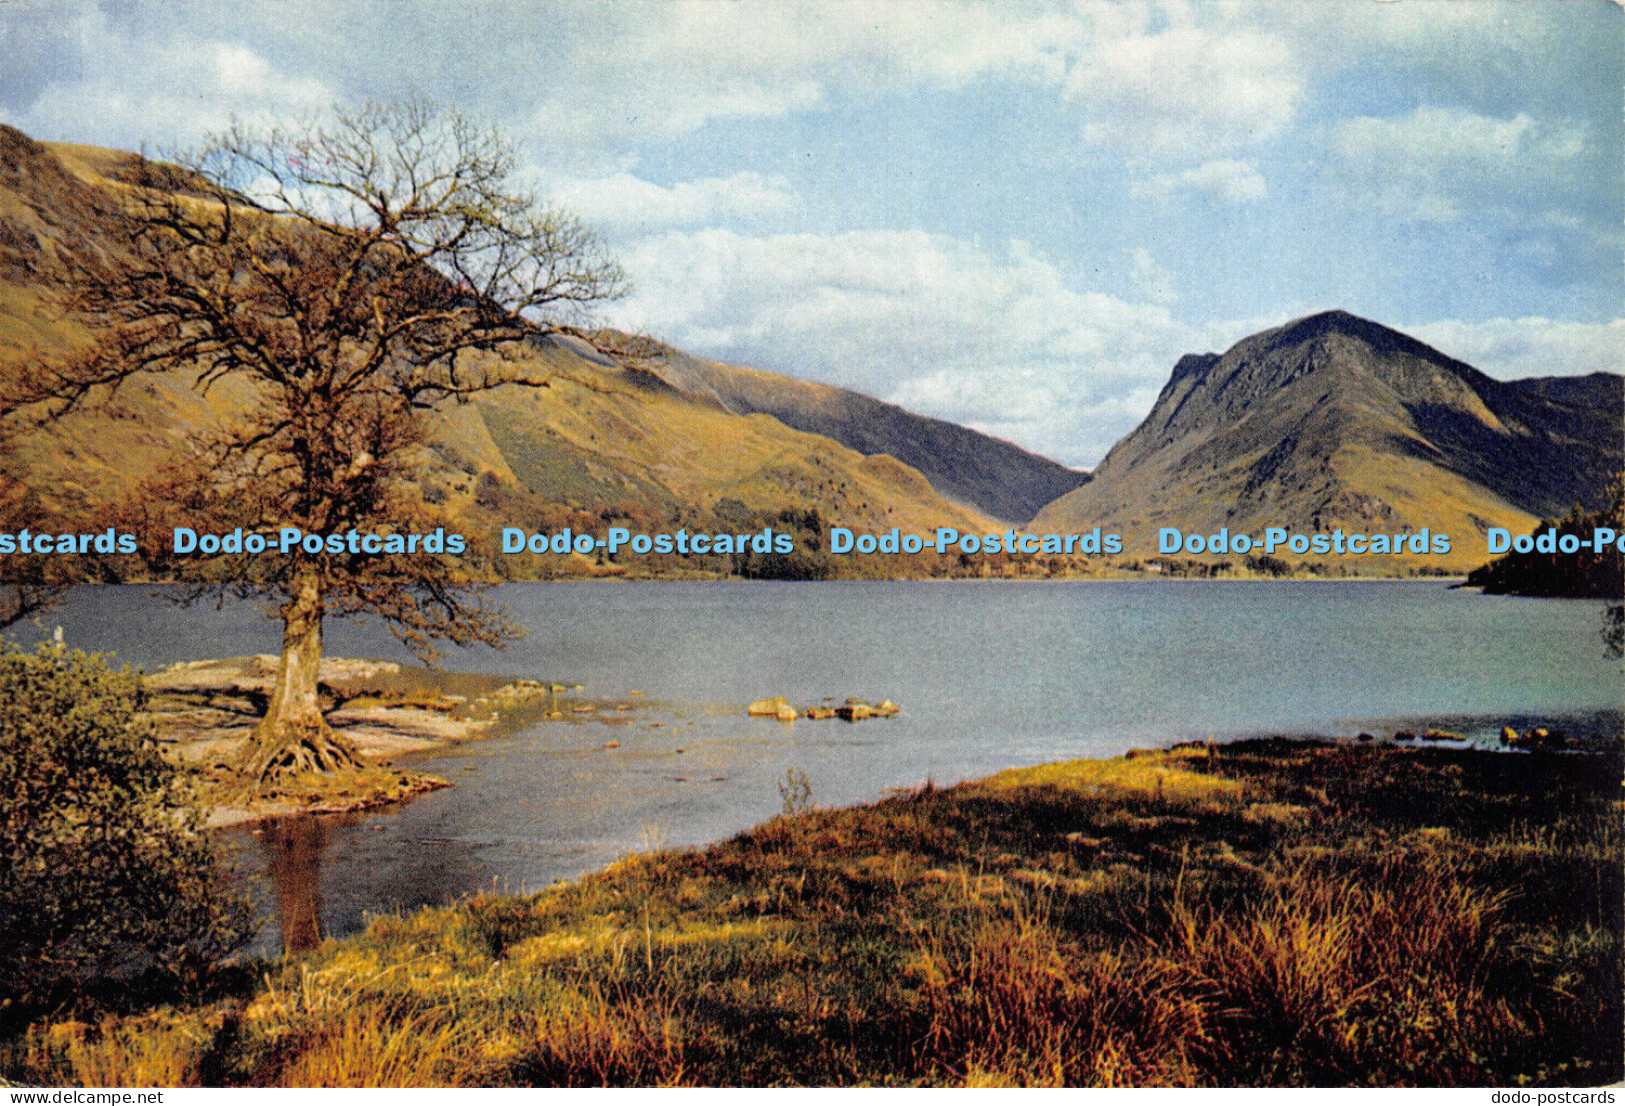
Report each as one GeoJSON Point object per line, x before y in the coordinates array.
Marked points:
{"type": "Point", "coordinates": [1551, 561]}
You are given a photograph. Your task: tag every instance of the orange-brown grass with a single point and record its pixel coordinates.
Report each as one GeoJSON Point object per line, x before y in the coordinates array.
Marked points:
{"type": "Point", "coordinates": [1398, 974]}
{"type": "Point", "coordinates": [373, 1045]}
{"type": "Point", "coordinates": [1014, 1001]}
{"type": "Point", "coordinates": [600, 1036]}
{"type": "Point", "coordinates": [158, 1051]}
{"type": "Point", "coordinates": [1264, 913]}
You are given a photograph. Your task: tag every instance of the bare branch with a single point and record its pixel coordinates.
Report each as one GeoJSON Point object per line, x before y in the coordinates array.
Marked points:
{"type": "Point", "coordinates": [343, 275]}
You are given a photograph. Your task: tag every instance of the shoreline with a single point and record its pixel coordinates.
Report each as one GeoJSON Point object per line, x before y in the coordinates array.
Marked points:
{"type": "Point", "coordinates": [204, 709]}
{"type": "Point", "coordinates": [1007, 930]}
{"type": "Point", "coordinates": [394, 713]}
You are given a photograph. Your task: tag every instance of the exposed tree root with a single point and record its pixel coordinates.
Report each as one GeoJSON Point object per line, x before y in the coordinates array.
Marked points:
{"type": "Point", "coordinates": [290, 748]}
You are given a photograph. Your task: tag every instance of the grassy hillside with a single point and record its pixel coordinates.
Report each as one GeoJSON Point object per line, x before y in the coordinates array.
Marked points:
{"type": "Point", "coordinates": [1264, 913]}
{"type": "Point", "coordinates": [992, 476]}
{"type": "Point", "coordinates": [601, 444]}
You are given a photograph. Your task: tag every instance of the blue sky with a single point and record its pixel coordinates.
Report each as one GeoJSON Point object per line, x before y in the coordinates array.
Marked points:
{"type": "Point", "coordinates": [1012, 215]}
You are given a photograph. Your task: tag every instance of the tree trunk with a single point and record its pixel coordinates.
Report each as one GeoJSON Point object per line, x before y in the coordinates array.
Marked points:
{"type": "Point", "coordinates": [293, 736]}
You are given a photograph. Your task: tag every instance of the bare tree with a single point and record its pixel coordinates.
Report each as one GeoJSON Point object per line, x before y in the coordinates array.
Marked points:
{"type": "Point", "coordinates": [336, 281]}
{"type": "Point", "coordinates": [29, 586]}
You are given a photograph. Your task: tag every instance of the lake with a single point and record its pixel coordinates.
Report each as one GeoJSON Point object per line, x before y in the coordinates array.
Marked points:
{"type": "Point", "coordinates": [988, 675]}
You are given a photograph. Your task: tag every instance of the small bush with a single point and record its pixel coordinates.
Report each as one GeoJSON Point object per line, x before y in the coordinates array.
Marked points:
{"type": "Point", "coordinates": [106, 875]}
{"type": "Point", "coordinates": [1266, 565]}
{"type": "Point", "coordinates": [795, 792]}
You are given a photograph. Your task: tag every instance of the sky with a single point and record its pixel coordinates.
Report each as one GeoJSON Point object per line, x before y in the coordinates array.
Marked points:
{"type": "Point", "coordinates": [1013, 215]}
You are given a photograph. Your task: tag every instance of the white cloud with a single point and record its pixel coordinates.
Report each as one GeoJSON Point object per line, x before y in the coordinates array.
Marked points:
{"type": "Point", "coordinates": [667, 69]}
{"type": "Point", "coordinates": [168, 90]}
{"type": "Point", "coordinates": [1510, 349]}
{"type": "Point", "coordinates": [1224, 179]}
{"type": "Point", "coordinates": [1184, 89]}
{"type": "Point", "coordinates": [1444, 164]}
{"type": "Point", "coordinates": [583, 81]}
{"type": "Point", "coordinates": [624, 201]}
{"type": "Point", "coordinates": [1151, 280]}
{"type": "Point", "coordinates": [1044, 415]}
{"type": "Point", "coordinates": [1159, 81]}
{"type": "Point", "coordinates": [1460, 34]}
{"type": "Point", "coordinates": [997, 339]}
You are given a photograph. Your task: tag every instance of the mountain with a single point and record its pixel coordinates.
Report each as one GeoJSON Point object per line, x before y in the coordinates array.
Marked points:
{"type": "Point", "coordinates": [605, 440]}
{"type": "Point", "coordinates": [993, 476]}
{"type": "Point", "coordinates": [1333, 421]}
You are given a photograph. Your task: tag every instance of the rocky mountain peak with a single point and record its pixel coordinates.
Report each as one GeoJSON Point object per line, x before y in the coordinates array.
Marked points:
{"type": "Point", "coordinates": [1334, 420]}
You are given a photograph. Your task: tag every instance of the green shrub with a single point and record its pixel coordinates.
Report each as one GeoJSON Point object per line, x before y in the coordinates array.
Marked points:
{"type": "Point", "coordinates": [107, 877]}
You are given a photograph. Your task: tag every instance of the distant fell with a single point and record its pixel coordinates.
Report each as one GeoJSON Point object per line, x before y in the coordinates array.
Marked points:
{"type": "Point", "coordinates": [1334, 421]}
{"type": "Point", "coordinates": [989, 474]}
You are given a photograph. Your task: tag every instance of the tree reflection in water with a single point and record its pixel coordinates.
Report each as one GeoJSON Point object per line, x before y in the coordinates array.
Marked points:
{"type": "Point", "coordinates": [293, 849]}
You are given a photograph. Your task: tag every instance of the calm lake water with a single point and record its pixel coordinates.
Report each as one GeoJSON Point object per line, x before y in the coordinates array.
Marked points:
{"type": "Point", "coordinates": [988, 676]}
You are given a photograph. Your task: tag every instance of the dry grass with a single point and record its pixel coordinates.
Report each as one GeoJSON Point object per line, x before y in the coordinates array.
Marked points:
{"type": "Point", "coordinates": [1331, 978]}
{"type": "Point", "coordinates": [1175, 775]}
{"type": "Point", "coordinates": [1013, 1001]}
{"type": "Point", "coordinates": [133, 1053]}
{"type": "Point", "coordinates": [607, 1037]}
{"type": "Point", "coordinates": [1388, 976]}
{"type": "Point", "coordinates": [372, 1047]}
{"type": "Point", "coordinates": [1261, 914]}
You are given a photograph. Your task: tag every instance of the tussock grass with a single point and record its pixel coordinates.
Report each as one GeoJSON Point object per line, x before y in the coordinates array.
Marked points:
{"type": "Point", "coordinates": [1014, 1001]}
{"type": "Point", "coordinates": [153, 1051]}
{"type": "Point", "coordinates": [1263, 913]}
{"type": "Point", "coordinates": [373, 1045]}
{"type": "Point", "coordinates": [1402, 973]}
